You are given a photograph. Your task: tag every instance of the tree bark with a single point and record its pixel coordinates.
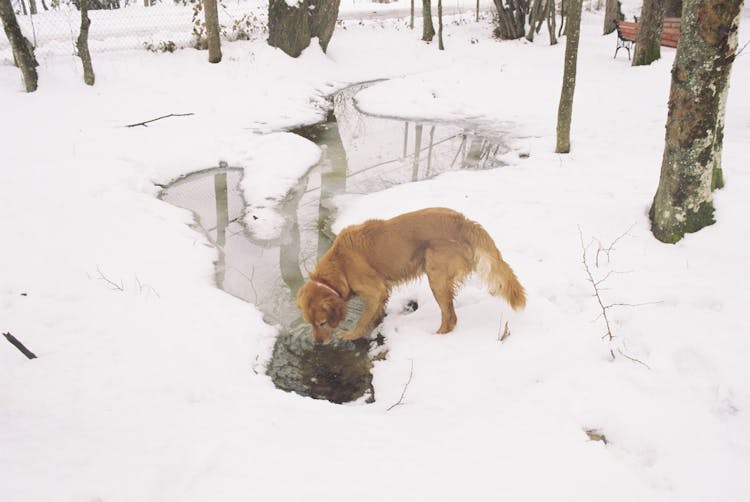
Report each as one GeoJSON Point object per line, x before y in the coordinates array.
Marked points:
{"type": "Point", "coordinates": [708, 42]}
{"type": "Point", "coordinates": [23, 51]}
{"type": "Point", "coordinates": [565, 109]}
{"type": "Point", "coordinates": [611, 12]}
{"type": "Point", "coordinates": [551, 22]}
{"type": "Point", "coordinates": [411, 16]}
{"type": "Point", "coordinates": [213, 34]}
{"type": "Point", "coordinates": [428, 29]}
{"type": "Point", "coordinates": [82, 44]}
{"type": "Point", "coordinates": [291, 28]}
{"type": "Point", "coordinates": [648, 40]}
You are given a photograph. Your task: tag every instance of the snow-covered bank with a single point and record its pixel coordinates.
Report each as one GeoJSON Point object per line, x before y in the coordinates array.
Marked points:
{"type": "Point", "coordinates": [144, 387]}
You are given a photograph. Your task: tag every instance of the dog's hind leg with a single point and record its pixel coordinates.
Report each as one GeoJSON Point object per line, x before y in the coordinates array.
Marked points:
{"type": "Point", "coordinates": [447, 264]}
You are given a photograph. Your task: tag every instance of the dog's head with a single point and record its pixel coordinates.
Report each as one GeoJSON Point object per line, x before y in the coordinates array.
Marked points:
{"type": "Point", "coordinates": [323, 308]}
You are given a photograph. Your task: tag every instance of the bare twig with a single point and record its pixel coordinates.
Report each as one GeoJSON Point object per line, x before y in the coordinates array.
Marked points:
{"type": "Point", "coordinates": [505, 333]}
{"type": "Point", "coordinates": [114, 285]}
{"type": "Point", "coordinates": [611, 247]}
{"type": "Point", "coordinates": [146, 122]}
{"type": "Point", "coordinates": [739, 53]}
{"type": "Point", "coordinates": [17, 344]}
{"type": "Point", "coordinates": [403, 392]}
{"type": "Point", "coordinates": [623, 354]}
{"type": "Point", "coordinates": [595, 285]}
{"type": "Point", "coordinates": [141, 287]}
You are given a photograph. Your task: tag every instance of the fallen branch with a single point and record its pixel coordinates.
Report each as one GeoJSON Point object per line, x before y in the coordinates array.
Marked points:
{"type": "Point", "coordinates": [403, 392]}
{"type": "Point", "coordinates": [145, 122]}
{"type": "Point", "coordinates": [595, 285]}
{"type": "Point", "coordinates": [113, 284]}
{"type": "Point", "coordinates": [17, 344]}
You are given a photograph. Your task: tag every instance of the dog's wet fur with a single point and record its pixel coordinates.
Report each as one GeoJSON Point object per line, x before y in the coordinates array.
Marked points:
{"type": "Point", "coordinates": [369, 259]}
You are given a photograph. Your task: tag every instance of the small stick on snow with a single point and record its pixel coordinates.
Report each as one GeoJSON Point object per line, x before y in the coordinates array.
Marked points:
{"type": "Point", "coordinates": [403, 392]}
{"type": "Point", "coordinates": [145, 122]}
{"type": "Point", "coordinates": [17, 344]}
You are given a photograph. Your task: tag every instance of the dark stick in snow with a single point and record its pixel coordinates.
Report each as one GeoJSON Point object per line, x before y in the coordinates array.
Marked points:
{"type": "Point", "coordinates": [17, 344]}
{"type": "Point", "coordinates": [159, 118]}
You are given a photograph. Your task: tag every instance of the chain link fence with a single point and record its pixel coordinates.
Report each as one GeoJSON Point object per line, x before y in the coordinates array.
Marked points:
{"type": "Point", "coordinates": [165, 25]}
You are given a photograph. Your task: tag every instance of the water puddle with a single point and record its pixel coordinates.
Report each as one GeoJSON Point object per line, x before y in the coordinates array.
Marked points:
{"type": "Point", "coordinates": [361, 154]}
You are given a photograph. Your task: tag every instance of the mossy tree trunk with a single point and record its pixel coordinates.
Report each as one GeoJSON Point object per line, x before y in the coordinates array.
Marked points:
{"type": "Point", "coordinates": [23, 51]}
{"type": "Point", "coordinates": [428, 29]}
{"type": "Point", "coordinates": [82, 44]}
{"type": "Point", "coordinates": [648, 40]}
{"type": "Point", "coordinates": [565, 108]}
{"type": "Point", "coordinates": [292, 28]}
{"type": "Point", "coordinates": [690, 168]}
{"type": "Point", "coordinates": [213, 33]}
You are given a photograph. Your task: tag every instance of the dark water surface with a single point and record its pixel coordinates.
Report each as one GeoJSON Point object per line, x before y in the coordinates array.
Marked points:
{"type": "Point", "coordinates": [361, 154]}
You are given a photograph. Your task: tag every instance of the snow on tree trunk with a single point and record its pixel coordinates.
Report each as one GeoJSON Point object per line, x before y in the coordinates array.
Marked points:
{"type": "Point", "coordinates": [213, 35]}
{"type": "Point", "coordinates": [428, 29]}
{"type": "Point", "coordinates": [23, 51]}
{"type": "Point", "coordinates": [708, 41]}
{"type": "Point", "coordinates": [648, 40]}
{"type": "Point", "coordinates": [565, 110]}
{"type": "Point", "coordinates": [290, 28]}
{"type": "Point", "coordinates": [82, 44]}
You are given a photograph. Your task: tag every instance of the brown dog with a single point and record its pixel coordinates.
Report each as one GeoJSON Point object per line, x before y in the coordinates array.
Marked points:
{"type": "Point", "coordinates": [371, 258]}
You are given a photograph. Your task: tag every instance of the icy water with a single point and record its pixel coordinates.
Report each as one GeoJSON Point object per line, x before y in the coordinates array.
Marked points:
{"type": "Point", "coordinates": [361, 154]}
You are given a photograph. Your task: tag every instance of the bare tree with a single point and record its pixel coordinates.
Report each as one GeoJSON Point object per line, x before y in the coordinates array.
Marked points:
{"type": "Point", "coordinates": [428, 30]}
{"type": "Point", "coordinates": [648, 40]}
{"type": "Point", "coordinates": [691, 165]}
{"type": "Point", "coordinates": [82, 44]}
{"type": "Point", "coordinates": [23, 51]}
{"type": "Point", "coordinates": [213, 34]}
{"type": "Point", "coordinates": [565, 109]}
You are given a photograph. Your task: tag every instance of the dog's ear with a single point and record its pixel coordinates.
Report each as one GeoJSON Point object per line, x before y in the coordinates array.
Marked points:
{"type": "Point", "coordinates": [336, 312]}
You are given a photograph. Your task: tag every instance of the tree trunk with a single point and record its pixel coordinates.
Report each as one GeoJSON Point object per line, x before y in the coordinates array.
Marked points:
{"type": "Point", "coordinates": [565, 110]}
{"type": "Point", "coordinates": [82, 44]}
{"type": "Point", "coordinates": [291, 28]}
{"type": "Point", "coordinates": [648, 40]}
{"type": "Point", "coordinates": [511, 18]}
{"type": "Point", "coordinates": [32, 7]}
{"type": "Point", "coordinates": [551, 22]}
{"type": "Point", "coordinates": [536, 18]}
{"type": "Point", "coordinates": [324, 14]}
{"type": "Point", "coordinates": [213, 34]}
{"type": "Point", "coordinates": [673, 8]}
{"type": "Point", "coordinates": [428, 30]}
{"type": "Point", "coordinates": [708, 41]}
{"type": "Point", "coordinates": [611, 12]}
{"type": "Point", "coordinates": [411, 17]}
{"type": "Point", "coordinates": [23, 51]}
{"type": "Point", "coordinates": [440, 25]}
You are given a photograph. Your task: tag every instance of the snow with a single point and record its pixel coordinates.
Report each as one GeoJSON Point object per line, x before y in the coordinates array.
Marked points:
{"type": "Point", "coordinates": [145, 389]}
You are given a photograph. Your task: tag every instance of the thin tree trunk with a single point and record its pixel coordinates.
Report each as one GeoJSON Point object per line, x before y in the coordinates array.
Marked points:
{"type": "Point", "coordinates": [565, 109]}
{"type": "Point", "coordinates": [213, 34]}
{"type": "Point", "coordinates": [411, 17]}
{"type": "Point", "coordinates": [428, 29]}
{"type": "Point", "coordinates": [708, 42]}
{"type": "Point", "coordinates": [82, 44]}
{"type": "Point", "coordinates": [440, 25]}
{"type": "Point", "coordinates": [551, 22]}
{"type": "Point", "coordinates": [563, 16]}
{"type": "Point", "coordinates": [477, 11]}
{"type": "Point", "coordinates": [32, 7]}
{"type": "Point", "coordinates": [673, 8]}
{"type": "Point", "coordinates": [648, 40]}
{"type": "Point", "coordinates": [23, 51]}
{"type": "Point", "coordinates": [536, 17]}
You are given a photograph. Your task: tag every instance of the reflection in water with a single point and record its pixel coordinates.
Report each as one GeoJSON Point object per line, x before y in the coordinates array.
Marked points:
{"type": "Point", "coordinates": [360, 154]}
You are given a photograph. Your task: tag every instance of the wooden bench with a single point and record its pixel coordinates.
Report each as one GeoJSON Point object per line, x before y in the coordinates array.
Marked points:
{"type": "Point", "coordinates": [627, 33]}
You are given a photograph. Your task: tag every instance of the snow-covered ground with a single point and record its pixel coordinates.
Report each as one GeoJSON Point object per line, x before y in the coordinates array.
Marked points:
{"type": "Point", "coordinates": [145, 389]}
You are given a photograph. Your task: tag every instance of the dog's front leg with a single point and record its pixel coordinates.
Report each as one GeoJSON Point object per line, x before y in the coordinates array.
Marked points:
{"type": "Point", "coordinates": [373, 312]}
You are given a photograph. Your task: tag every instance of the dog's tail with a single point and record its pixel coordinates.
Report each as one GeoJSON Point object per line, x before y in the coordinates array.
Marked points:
{"type": "Point", "coordinates": [494, 271]}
